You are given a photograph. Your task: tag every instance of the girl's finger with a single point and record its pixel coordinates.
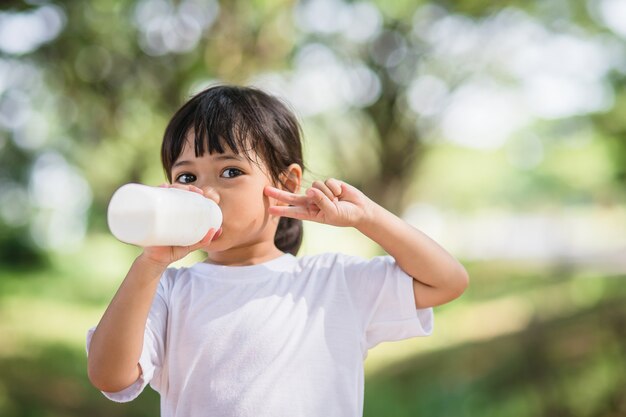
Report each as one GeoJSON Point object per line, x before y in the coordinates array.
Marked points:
{"type": "Point", "coordinates": [334, 186]}
{"type": "Point", "coordinates": [195, 189]}
{"type": "Point", "coordinates": [205, 240]}
{"type": "Point", "coordinates": [285, 196]}
{"type": "Point", "coordinates": [186, 187]}
{"type": "Point", "coordinates": [321, 200]}
{"type": "Point", "coordinates": [319, 185]}
{"type": "Point", "coordinates": [290, 211]}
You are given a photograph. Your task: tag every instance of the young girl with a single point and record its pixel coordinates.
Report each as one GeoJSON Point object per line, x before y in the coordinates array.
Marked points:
{"type": "Point", "coordinates": [254, 330]}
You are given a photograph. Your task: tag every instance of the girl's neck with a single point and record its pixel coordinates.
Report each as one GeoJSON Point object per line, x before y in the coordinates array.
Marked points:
{"type": "Point", "coordinates": [244, 256]}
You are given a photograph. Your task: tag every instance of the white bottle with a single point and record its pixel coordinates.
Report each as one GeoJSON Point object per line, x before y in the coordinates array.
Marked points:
{"type": "Point", "coordinates": [154, 216]}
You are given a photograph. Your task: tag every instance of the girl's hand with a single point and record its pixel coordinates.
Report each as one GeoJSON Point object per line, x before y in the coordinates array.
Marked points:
{"type": "Point", "coordinates": [165, 255]}
{"type": "Point", "coordinates": [330, 202]}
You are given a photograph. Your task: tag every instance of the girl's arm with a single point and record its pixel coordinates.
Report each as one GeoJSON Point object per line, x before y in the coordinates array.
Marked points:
{"type": "Point", "coordinates": [438, 277]}
{"type": "Point", "coordinates": [116, 345]}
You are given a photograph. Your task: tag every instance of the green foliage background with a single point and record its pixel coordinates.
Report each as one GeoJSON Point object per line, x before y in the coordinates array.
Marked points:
{"type": "Point", "coordinates": [82, 111]}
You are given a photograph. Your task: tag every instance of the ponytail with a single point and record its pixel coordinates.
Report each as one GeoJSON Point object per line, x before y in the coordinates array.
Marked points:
{"type": "Point", "coordinates": [288, 236]}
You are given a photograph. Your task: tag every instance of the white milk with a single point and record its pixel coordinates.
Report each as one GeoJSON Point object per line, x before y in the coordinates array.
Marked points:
{"type": "Point", "coordinates": [155, 216]}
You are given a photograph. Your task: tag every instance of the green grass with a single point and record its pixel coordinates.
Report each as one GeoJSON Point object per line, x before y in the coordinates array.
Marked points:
{"type": "Point", "coordinates": [572, 366]}
{"type": "Point", "coordinates": [51, 380]}
{"type": "Point", "coordinates": [525, 340]}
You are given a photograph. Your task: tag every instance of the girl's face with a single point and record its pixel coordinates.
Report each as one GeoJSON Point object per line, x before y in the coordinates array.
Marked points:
{"type": "Point", "coordinates": [236, 184]}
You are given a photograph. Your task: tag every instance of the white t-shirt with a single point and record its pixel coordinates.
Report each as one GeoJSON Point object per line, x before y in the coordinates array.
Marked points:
{"type": "Point", "coordinates": [284, 338]}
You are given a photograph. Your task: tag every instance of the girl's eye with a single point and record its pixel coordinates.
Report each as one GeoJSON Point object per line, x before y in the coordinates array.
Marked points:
{"type": "Point", "coordinates": [231, 173]}
{"type": "Point", "coordinates": [186, 178]}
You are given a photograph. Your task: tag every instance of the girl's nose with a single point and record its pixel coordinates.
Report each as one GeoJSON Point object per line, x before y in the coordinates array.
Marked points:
{"type": "Point", "coordinates": [211, 193]}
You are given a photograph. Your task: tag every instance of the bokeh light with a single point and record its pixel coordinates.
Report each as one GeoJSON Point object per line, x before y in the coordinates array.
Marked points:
{"type": "Point", "coordinates": [24, 32]}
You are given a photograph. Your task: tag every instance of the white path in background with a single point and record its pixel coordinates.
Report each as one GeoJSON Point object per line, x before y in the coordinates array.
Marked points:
{"type": "Point", "coordinates": [578, 236]}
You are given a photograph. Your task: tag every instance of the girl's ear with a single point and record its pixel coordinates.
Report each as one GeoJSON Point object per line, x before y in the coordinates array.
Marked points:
{"type": "Point", "coordinates": [292, 178]}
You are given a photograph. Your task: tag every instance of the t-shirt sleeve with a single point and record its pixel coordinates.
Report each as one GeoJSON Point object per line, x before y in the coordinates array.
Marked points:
{"type": "Point", "coordinates": [152, 354]}
{"type": "Point", "coordinates": [382, 295]}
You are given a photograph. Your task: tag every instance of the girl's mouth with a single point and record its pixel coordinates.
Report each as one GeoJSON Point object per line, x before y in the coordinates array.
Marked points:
{"type": "Point", "coordinates": [217, 234]}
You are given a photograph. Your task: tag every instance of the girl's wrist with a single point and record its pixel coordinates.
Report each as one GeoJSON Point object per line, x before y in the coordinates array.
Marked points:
{"type": "Point", "coordinates": [150, 264]}
{"type": "Point", "coordinates": [370, 217]}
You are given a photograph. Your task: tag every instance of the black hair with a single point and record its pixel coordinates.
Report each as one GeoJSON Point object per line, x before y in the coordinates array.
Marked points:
{"type": "Point", "coordinates": [243, 119]}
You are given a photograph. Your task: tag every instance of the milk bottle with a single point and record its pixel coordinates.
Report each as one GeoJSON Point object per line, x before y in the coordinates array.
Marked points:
{"type": "Point", "coordinates": [154, 216]}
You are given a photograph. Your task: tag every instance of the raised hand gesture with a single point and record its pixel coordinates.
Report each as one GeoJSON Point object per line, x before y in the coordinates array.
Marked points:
{"type": "Point", "coordinates": [330, 202]}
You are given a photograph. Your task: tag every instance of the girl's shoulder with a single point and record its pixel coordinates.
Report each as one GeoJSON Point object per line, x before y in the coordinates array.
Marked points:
{"type": "Point", "coordinates": [351, 265]}
{"type": "Point", "coordinates": [170, 276]}
{"type": "Point", "coordinates": [331, 260]}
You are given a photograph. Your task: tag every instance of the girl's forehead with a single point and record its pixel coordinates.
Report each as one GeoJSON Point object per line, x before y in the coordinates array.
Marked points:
{"type": "Point", "coordinates": [248, 156]}
{"type": "Point", "coordinates": [188, 151]}
{"type": "Point", "coordinates": [242, 145]}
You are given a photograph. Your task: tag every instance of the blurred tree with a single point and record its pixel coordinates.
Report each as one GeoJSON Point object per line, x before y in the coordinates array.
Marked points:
{"type": "Point", "coordinates": [612, 126]}
{"type": "Point", "coordinates": [87, 87]}
{"type": "Point", "coordinates": [110, 76]}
